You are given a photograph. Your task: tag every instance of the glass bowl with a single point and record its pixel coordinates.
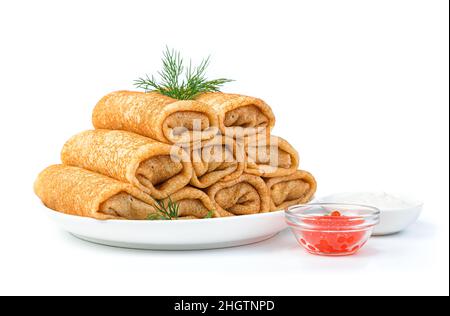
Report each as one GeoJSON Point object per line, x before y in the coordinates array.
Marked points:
{"type": "Point", "coordinates": [331, 229]}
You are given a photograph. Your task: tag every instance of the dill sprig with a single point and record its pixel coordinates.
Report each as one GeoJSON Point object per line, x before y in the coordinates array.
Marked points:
{"type": "Point", "coordinates": [166, 211]}
{"type": "Point", "coordinates": [170, 82]}
{"type": "Point", "coordinates": [209, 214]}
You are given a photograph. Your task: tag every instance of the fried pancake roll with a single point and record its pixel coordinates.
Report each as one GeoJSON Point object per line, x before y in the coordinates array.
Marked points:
{"type": "Point", "coordinates": [239, 115]}
{"type": "Point", "coordinates": [193, 203]}
{"type": "Point", "coordinates": [219, 159]}
{"type": "Point", "coordinates": [245, 195]}
{"type": "Point", "coordinates": [298, 188]}
{"type": "Point", "coordinates": [156, 168]}
{"type": "Point", "coordinates": [270, 156]}
{"type": "Point", "coordinates": [156, 116]}
{"type": "Point", "coordinates": [80, 192]}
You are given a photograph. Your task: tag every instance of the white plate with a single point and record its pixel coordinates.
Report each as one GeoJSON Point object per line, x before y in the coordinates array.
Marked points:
{"type": "Point", "coordinates": [174, 235]}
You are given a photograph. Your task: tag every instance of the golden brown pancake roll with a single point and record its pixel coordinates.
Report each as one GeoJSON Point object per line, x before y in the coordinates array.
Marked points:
{"type": "Point", "coordinates": [193, 203]}
{"type": "Point", "coordinates": [156, 116]}
{"type": "Point", "coordinates": [80, 192]}
{"type": "Point", "coordinates": [270, 156]}
{"type": "Point", "coordinates": [245, 195]}
{"type": "Point", "coordinates": [239, 115]}
{"type": "Point", "coordinates": [298, 188]}
{"type": "Point", "coordinates": [156, 168]}
{"type": "Point", "coordinates": [218, 159]}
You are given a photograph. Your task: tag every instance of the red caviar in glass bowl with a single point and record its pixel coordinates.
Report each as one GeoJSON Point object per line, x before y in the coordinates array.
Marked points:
{"type": "Point", "coordinates": [332, 229]}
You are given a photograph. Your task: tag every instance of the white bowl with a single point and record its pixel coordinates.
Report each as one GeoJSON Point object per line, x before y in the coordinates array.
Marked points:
{"type": "Point", "coordinates": [174, 235]}
{"type": "Point", "coordinates": [392, 220]}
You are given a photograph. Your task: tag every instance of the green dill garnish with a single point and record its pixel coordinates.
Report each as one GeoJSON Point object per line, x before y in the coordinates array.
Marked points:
{"type": "Point", "coordinates": [166, 211]}
{"type": "Point", "coordinates": [170, 83]}
{"type": "Point", "coordinates": [209, 215]}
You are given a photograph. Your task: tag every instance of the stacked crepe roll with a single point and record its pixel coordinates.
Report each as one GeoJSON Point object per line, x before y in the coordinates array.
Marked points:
{"type": "Point", "coordinates": [212, 156]}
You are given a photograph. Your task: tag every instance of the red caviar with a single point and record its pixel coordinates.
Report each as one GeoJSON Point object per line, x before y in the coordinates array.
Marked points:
{"type": "Point", "coordinates": [332, 229]}
{"type": "Point", "coordinates": [333, 234]}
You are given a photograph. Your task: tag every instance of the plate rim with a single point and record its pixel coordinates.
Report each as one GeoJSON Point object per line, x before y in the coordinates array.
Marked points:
{"type": "Point", "coordinates": [160, 222]}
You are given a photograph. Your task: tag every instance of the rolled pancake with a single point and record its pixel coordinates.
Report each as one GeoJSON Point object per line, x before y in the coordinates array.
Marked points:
{"type": "Point", "coordinates": [156, 116]}
{"type": "Point", "coordinates": [298, 188]}
{"type": "Point", "coordinates": [215, 160]}
{"type": "Point", "coordinates": [156, 168]}
{"type": "Point", "coordinates": [80, 192]}
{"type": "Point", "coordinates": [245, 195]}
{"type": "Point", "coordinates": [270, 156]}
{"type": "Point", "coordinates": [239, 115]}
{"type": "Point", "coordinates": [193, 203]}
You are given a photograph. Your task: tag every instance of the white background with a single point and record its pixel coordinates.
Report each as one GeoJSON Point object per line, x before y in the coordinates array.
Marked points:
{"type": "Point", "coordinates": [359, 87]}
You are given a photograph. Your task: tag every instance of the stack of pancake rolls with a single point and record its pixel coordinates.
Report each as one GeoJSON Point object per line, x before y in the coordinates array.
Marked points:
{"type": "Point", "coordinates": [213, 156]}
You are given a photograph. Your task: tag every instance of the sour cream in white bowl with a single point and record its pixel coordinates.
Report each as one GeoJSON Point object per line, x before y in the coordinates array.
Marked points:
{"type": "Point", "coordinates": [397, 212]}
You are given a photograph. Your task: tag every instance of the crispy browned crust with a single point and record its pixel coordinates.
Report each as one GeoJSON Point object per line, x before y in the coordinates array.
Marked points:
{"type": "Point", "coordinates": [272, 169]}
{"type": "Point", "coordinates": [118, 154]}
{"type": "Point", "coordinates": [76, 191]}
{"type": "Point", "coordinates": [256, 182]}
{"type": "Point", "coordinates": [203, 175]}
{"type": "Point", "coordinates": [145, 114]}
{"type": "Point", "coordinates": [225, 102]}
{"type": "Point", "coordinates": [307, 180]}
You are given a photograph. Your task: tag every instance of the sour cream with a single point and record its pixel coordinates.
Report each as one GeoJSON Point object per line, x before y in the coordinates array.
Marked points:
{"type": "Point", "coordinates": [380, 200]}
{"type": "Point", "coordinates": [397, 213]}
